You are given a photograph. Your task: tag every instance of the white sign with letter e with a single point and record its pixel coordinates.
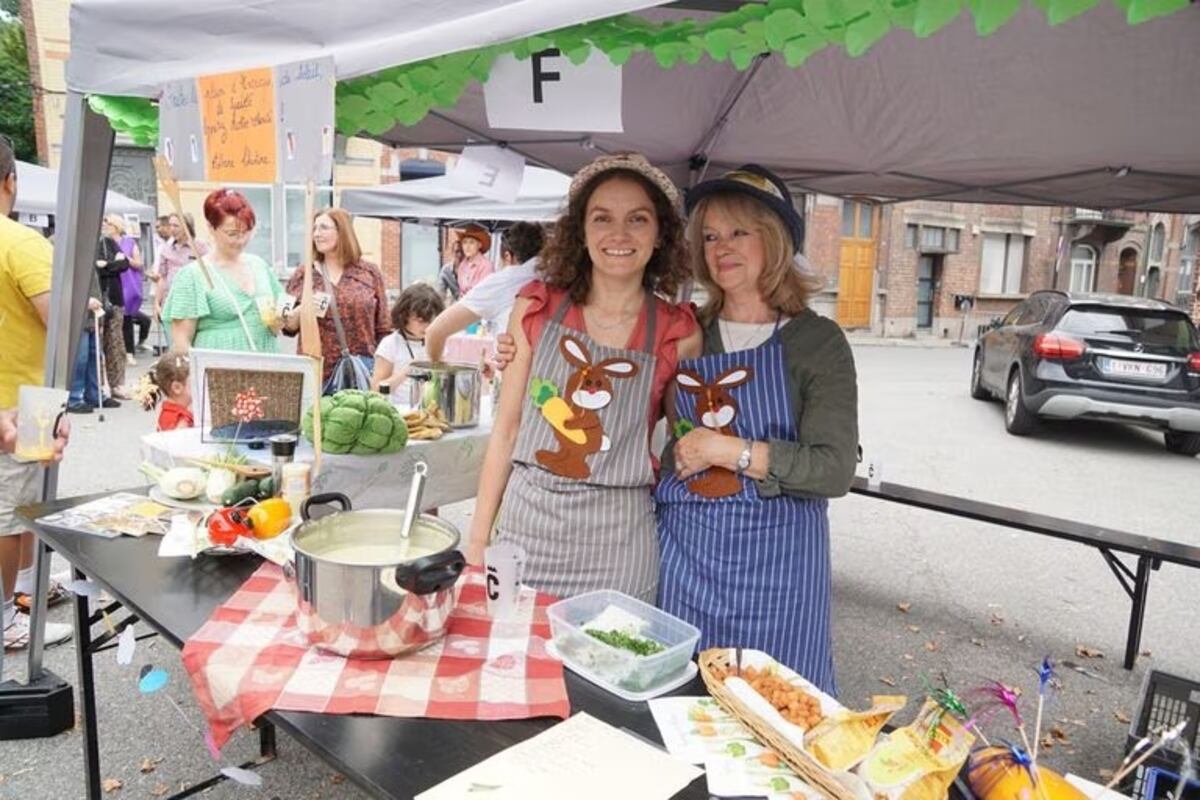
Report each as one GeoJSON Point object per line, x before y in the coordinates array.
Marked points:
{"type": "Point", "coordinates": [491, 172]}
{"type": "Point", "coordinates": [546, 92]}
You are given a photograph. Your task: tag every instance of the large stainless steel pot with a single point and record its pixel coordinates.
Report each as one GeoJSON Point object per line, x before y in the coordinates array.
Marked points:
{"type": "Point", "coordinates": [372, 610]}
{"type": "Point", "coordinates": [453, 388]}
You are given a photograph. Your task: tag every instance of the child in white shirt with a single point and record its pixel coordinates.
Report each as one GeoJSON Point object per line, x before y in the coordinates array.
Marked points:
{"type": "Point", "coordinates": [415, 308]}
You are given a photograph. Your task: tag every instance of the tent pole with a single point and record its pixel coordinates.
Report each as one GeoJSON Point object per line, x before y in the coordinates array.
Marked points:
{"type": "Point", "coordinates": [705, 143]}
{"type": "Point", "coordinates": [82, 181]}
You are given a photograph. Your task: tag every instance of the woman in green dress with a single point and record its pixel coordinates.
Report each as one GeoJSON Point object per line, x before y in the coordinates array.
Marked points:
{"type": "Point", "coordinates": [228, 300]}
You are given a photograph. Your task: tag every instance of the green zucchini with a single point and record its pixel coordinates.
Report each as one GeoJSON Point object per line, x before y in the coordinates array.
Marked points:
{"type": "Point", "coordinates": [242, 490]}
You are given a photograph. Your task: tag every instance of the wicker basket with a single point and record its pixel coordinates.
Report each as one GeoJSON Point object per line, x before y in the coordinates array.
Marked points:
{"type": "Point", "coordinates": [282, 405]}
{"type": "Point", "coordinates": [717, 660]}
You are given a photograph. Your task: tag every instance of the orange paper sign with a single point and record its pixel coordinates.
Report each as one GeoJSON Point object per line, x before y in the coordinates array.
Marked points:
{"type": "Point", "coordinates": [239, 125]}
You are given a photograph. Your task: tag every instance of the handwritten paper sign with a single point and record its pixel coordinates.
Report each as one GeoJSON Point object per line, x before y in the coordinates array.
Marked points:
{"type": "Point", "coordinates": [487, 171]}
{"type": "Point", "coordinates": [255, 126]}
{"type": "Point", "coordinates": [239, 126]}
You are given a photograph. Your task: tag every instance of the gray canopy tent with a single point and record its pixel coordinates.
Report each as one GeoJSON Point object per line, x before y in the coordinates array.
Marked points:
{"type": "Point", "coordinates": [540, 198]}
{"type": "Point", "coordinates": [37, 193]}
{"type": "Point", "coordinates": [1093, 113]}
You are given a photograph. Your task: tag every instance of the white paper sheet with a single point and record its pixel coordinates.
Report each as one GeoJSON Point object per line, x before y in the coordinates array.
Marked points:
{"type": "Point", "coordinates": [581, 758]}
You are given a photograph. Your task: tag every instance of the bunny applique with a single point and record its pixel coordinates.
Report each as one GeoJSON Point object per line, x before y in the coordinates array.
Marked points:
{"type": "Point", "coordinates": [715, 408]}
{"type": "Point", "coordinates": [577, 427]}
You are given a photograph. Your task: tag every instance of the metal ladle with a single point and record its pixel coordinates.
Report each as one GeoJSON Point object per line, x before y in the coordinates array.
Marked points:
{"type": "Point", "coordinates": [413, 508]}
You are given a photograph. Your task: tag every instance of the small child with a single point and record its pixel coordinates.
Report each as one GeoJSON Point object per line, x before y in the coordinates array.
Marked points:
{"type": "Point", "coordinates": [415, 308]}
{"type": "Point", "coordinates": [168, 380]}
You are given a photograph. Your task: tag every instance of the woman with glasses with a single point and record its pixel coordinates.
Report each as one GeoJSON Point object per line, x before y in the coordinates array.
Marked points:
{"type": "Point", "coordinates": [356, 285]}
{"type": "Point", "coordinates": [228, 300]}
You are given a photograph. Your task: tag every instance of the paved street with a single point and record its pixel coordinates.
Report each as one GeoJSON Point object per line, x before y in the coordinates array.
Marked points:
{"type": "Point", "coordinates": [983, 602]}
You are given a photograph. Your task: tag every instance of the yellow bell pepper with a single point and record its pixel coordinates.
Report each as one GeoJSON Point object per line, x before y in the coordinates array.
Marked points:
{"type": "Point", "coordinates": [557, 412]}
{"type": "Point", "coordinates": [270, 517]}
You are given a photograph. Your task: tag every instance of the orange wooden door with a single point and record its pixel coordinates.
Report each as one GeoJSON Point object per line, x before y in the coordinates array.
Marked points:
{"type": "Point", "coordinates": [856, 264]}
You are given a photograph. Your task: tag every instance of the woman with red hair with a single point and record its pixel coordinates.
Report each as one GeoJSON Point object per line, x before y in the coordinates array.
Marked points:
{"type": "Point", "coordinates": [226, 301]}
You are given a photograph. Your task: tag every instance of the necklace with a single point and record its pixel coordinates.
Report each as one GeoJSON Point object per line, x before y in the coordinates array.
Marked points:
{"type": "Point", "coordinates": [622, 318]}
{"type": "Point", "coordinates": [738, 343]}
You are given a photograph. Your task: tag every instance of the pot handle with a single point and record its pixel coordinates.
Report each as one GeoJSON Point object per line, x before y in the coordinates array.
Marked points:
{"type": "Point", "coordinates": [431, 573]}
{"type": "Point", "coordinates": [328, 498]}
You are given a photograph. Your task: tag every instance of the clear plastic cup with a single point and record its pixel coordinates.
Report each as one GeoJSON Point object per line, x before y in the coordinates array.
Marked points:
{"type": "Point", "coordinates": [504, 566]}
{"type": "Point", "coordinates": [38, 410]}
{"type": "Point", "coordinates": [268, 312]}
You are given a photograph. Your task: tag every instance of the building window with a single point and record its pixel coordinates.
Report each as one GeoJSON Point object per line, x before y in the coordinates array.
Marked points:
{"type": "Point", "coordinates": [858, 220]}
{"type": "Point", "coordinates": [1187, 268]}
{"type": "Point", "coordinates": [1157, 240]}
{"type": "Point", "coordinates": [952, 239]}
{"type": "Point", "coordinates": [933, 238]}
{"type": "Point", "coordinates": [910, 237]}
{"type": "Point", "coordinates": [293, 207]}
{"type": "Point", "coordinates": [1002, 264]}
{"type": "Point", "coordinates": [419, 254]}
{"type": "Point", "coordinates": [1083, 268]}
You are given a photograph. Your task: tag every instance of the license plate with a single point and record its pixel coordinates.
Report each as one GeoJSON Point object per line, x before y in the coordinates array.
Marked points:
{"type": "Point", "coordinates": [1119, 367]}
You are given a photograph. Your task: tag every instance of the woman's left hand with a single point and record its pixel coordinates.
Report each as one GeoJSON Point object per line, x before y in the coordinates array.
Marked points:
{"type": "Point", "coordinates": [698, 450]}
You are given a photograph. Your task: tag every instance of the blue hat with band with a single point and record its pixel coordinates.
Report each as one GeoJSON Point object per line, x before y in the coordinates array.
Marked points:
{"type": "Point", "coordinates": [761, 184]}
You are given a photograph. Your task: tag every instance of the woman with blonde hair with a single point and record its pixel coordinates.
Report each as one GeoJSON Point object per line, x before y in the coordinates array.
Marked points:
{"type": "Point", "coordinates": [767, 429]}
{"type": "Point", "coordinates": [357, 297]}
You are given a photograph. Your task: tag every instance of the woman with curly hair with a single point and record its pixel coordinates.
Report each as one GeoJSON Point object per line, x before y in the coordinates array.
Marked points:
{"type": "Point", "coordinates": [596, 347]}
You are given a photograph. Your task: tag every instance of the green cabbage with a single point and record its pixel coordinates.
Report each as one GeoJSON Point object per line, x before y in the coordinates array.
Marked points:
{"type": "Point", "coordinates": [358, 422]}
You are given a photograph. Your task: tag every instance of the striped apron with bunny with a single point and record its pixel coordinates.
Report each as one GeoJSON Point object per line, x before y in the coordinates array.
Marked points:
{"type": "Point", "coordinates": [748, 571]}
{"type": "Point", "coordinates": [595, 531]}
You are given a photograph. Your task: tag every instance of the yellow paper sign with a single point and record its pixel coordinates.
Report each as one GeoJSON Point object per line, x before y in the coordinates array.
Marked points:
{"type": "Point", "coordinates": [239, 125]}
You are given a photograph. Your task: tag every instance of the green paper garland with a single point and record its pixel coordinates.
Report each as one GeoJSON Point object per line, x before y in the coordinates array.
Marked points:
{"type": "Point", "coordinates": [794, 29]}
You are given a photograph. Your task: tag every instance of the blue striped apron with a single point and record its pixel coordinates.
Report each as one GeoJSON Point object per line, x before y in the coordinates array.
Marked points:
{"type": "Point", "coordinates": [749, 571]}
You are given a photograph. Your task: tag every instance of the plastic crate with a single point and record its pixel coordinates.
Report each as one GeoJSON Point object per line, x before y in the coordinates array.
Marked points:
{"type": "Point", "coordinates": [1166, 701]}
{"type": "Point", "coordinates": [1159, 784]}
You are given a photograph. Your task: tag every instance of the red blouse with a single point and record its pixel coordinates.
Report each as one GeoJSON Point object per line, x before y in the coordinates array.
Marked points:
{"type": "Point", "coordinates": [362, 304]}
{"type": "Point", "coordinates": [675, 322]}
{"type": "Point", "coordinates": [172, 415]}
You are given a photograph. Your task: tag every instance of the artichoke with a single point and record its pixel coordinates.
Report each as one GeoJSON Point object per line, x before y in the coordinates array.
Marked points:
{"type": "Point", "coordinates": [358, 422]}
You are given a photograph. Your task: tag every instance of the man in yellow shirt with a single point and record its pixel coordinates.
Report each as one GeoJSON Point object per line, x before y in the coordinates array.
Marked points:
{"type": "Point", "coordinates": [25, 264]}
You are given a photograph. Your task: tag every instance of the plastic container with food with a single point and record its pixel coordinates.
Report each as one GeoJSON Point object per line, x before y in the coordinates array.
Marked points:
{"type": "Point", "coordinates": [666, 643]}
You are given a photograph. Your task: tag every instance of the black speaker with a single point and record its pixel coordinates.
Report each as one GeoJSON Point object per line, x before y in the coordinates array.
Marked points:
{"type": "Point", "coordinates": [45, 707]}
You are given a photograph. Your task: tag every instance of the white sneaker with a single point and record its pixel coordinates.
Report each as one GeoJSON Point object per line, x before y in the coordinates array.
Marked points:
{"type": "Point", "coordinates": [16, 633]}
{"type": "Point", "coordinates": [130, 360]}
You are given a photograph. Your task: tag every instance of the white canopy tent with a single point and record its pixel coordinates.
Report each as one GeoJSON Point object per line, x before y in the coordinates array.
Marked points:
{"type": "Point", "coordinates": [539, 199]}
{"type": "Point", "coordinates": [37, 193]}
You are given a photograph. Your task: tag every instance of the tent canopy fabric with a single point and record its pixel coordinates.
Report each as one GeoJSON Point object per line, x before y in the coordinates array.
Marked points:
{"type": "Point", "coordinates": [539, 199]}
{"type": "Point", "coordinates": [37, 193]}
{"type": "Point", "coordinates": [180, 39]}
{"type": "Point", "coordinates": [1093, 113]}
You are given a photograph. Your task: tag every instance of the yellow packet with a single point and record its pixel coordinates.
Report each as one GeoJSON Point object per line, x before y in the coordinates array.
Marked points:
{"type": "Point", "coordinates": [842, 740]}
{"type": "Point", "coordinates": [918, 762]}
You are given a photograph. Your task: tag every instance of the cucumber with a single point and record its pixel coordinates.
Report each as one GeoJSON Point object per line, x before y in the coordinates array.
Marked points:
{"type": "Point", "coordinates": [266, 488]}
{"type": "Point", "coordinates": [239, 492]}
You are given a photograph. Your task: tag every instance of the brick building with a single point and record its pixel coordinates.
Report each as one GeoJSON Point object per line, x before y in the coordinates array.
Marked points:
{"type": "Point", "coordinates": [903, 269]}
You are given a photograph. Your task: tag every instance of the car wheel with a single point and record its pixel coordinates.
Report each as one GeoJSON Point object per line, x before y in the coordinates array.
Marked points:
{"type": "Point", "coordinates": [1185, 444]}
{"type": "Point", "coordinates": [977, 390]}
{"type": "Point", "coordinates": [1017, 418]}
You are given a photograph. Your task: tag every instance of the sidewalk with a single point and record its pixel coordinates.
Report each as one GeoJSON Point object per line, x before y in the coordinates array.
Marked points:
{"type": "Point", "coordinates": [860, 339]}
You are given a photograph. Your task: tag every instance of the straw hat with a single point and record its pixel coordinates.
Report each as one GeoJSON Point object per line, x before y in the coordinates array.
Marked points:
{"type": "Point", "coordinates": [631, 162]}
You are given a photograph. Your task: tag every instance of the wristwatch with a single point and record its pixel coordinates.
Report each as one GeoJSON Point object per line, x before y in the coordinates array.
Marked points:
{"type": "Point", "coordinates": [743, 462]}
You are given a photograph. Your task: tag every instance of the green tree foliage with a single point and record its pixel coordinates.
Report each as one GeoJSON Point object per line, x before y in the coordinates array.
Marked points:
{"type": "Point", "coordinates": [16, 89]}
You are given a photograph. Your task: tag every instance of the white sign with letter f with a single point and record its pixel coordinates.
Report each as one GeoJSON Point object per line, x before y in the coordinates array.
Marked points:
{"type": "Point", "coordinates": [546, 92]}
{"type": "Point", "coordinates": [487, 171]}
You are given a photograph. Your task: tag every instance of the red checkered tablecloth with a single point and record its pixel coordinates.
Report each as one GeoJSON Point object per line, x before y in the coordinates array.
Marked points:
{"type": "Point", "coordinates": [250, 657]}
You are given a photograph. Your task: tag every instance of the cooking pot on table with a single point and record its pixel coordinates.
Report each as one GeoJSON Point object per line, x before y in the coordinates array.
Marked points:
{"type": "Point", "coordinates": [356, 607]}
{"type": "Point", "coordinates": [454, 389]}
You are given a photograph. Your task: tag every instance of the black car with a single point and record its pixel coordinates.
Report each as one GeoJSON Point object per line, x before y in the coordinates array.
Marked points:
{"type": "Point", "coordinates": [1061, 355]}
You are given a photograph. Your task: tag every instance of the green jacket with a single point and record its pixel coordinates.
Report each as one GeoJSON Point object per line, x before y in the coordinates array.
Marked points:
{"type": "Point", "coordinates": [824, 388]}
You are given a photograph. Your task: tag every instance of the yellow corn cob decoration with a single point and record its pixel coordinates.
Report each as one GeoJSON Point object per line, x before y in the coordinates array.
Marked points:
{"type": "Point", "coordinates": [557, 412]}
